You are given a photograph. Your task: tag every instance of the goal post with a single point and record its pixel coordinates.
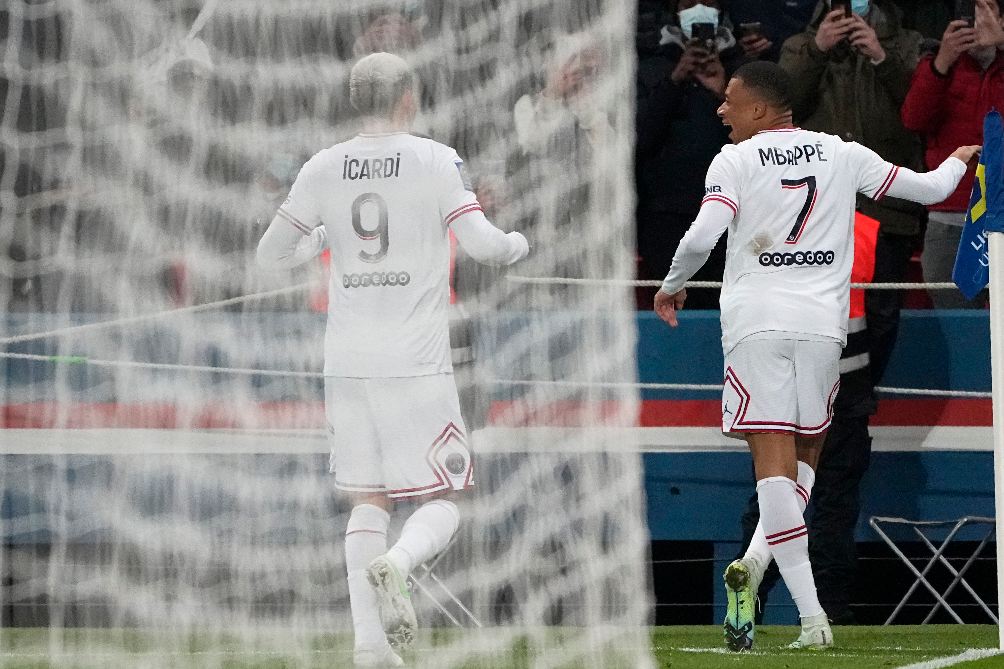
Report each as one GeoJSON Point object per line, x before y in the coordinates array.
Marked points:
{"type": "Point", "coordinates": [996, 242]}
{"type": "Point", "coordinates": [145, 147]}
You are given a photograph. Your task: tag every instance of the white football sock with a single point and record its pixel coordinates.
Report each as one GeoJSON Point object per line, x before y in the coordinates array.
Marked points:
{"type": "Point", "coordinates": [784, 529]}
{"type": "Point", "coordinates": [425, 534]}
{"type": "Point", "coordinates": [758, 549]}
{"type": "Point", "coordinates": [365, 540]}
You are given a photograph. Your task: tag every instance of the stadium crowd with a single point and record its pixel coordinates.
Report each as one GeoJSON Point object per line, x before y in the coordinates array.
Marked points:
{"type": "Point", "coordinates": [909, 80]}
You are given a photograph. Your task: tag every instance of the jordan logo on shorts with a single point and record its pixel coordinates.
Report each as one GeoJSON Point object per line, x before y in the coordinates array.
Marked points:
{"type": "Point", "coordinates": [450, 458]}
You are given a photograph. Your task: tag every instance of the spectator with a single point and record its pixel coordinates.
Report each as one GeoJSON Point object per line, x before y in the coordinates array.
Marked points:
{"type": "Point", "coordinates": [778, 19]}
{"type": "Point", "coordinates": [951, 92]}
{"type": "Point", "coordinates": [681, 83]}
{"type": "Point", "coordinates": [559, 132]}
{"type": "Point", "coordinates": [851, 75]}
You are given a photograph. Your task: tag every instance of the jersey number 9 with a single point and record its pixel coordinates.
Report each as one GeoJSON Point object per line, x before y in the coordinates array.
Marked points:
{"type": "Point", "coordinates": [381, 230]}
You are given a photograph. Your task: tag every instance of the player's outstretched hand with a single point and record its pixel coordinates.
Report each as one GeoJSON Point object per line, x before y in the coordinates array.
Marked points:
{"type": "Point", "coordinates": [967, 153]}
{"type": "Point", "coordinates": [667, 305]}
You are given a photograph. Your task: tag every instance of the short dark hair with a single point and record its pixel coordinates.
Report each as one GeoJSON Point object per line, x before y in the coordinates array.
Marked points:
{"type": "Point", "coordinates": [768, 81]}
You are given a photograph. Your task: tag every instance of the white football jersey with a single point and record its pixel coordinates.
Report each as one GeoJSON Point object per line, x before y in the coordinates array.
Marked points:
{"type": "Point", "coordinates": [791, 241]}
{"type": "Point", "coordinates": [385, 201]}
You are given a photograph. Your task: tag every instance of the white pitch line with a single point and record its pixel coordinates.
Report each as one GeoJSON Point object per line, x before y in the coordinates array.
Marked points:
{"type": "Point", "coordinates": [951, 661]}
{"type": "Point", "coordinates": [716, 651]}
{"type": "Point", "coordinates": [762, 653]}
{"type": "Point", "coordinates": [63, 654]}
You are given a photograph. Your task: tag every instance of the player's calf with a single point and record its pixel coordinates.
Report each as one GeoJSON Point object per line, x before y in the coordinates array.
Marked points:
{"type": "Point", "coordinates": [425, 534]}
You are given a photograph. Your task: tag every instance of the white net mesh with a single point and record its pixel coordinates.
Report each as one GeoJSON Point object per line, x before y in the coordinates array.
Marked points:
{"type": "Point", "coordinates": [167, 501]}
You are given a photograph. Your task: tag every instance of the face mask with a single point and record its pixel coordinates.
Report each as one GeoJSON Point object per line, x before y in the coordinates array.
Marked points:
{"type": "Point", "coordinates": [859, 7]}
{"type": "Point", "coordinates": [697, 14]}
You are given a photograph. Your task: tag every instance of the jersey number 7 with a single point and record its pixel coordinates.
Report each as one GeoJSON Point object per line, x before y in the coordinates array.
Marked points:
{"type": "Point", "coordinates": [809, 183]}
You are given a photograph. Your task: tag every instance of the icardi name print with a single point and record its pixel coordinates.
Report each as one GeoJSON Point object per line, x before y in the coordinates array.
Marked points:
{"type": "Point", "coordinates": [371, 168]}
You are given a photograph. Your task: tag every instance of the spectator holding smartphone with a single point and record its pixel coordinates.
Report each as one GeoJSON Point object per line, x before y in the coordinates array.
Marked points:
{"type": "Point", "coordinates": [762, 26]}
{"type": "Point", "coordinates": [681, 83]}
{"type": "Point", "coordinates": [951, 92]}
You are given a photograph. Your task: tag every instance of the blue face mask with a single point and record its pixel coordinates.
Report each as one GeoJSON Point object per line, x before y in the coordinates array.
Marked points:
{"type": "Point", "coordinates": [859, 7]}
{"type": "Point", "coordinates": [697, 14]}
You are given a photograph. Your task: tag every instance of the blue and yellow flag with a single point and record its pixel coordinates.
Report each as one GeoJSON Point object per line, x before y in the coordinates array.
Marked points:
{"type": "Point", "coordinates": [986, 212]}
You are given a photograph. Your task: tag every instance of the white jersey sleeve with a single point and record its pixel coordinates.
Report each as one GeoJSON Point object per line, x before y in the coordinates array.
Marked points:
{"type": "Point", "coordinates": [285, 247]}
{"type": "Point", "coordinates": [718, 209]}
{"type": "Point", "coordinates": [456, 193]}
{"type": "Point", "coordinates": [295, 234]}
{"type": "Point", "coordinates": [872, 174]}
{"type": "Point", "coordinates": [462, 213]}
{"type": "Point", "coordinates": [724, 181]}
{"type": "Point", "coordinates": [302, 208]}
{"type": "Point", "coordinates": [486, 243]}
{"type": "Point", "coordinates": [878, 178]}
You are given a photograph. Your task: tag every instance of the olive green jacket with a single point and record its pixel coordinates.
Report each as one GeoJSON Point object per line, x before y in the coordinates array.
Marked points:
{"type": "Point", "coordinates": [842, 93]}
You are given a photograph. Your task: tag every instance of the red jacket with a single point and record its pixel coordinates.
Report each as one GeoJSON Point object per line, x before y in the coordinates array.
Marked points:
{"type": "Point", "coordinates": [947, 111]}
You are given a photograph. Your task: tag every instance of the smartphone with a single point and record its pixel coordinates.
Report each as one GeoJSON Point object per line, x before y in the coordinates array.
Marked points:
{"type": "Point", "coordinates": [704, 34]}
{"type": "Point", "coordinates": [965, 10]}
{"type": "Point", "coordinates": [752, 28]}
{"type": "Point", "coordinates": [842, 4]}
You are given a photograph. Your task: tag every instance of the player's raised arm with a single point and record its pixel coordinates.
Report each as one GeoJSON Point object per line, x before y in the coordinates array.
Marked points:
{"type": "Point", "coordinates": [295, 234]}
{"type": "Point", "coordinates": [878, 178]}
{"type": "Point", "coordinates": [462, 213]}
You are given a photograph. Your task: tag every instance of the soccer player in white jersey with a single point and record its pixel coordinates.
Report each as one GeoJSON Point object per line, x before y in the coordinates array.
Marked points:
{"type": "Point", "coordinates": [786, 197]}
{"type": "Point", "coordinates": [383, 202]}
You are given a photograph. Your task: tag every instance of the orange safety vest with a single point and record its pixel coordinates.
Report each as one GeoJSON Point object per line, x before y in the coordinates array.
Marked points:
{"type": "Point", "coordinates": [865, 236]}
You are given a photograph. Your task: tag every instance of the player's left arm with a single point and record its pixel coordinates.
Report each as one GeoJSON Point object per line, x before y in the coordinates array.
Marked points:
{"type": "Point", "coordinates": [878, 178]}
{"type": "Point", "coordinates": [718, 208]}
{"type": "Point", "coordinates": [282, 247]}
{"type": "Point", "coordinates": [295, 234]}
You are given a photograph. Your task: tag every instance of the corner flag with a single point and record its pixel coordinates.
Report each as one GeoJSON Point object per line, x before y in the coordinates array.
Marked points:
{"type": "Point", "coordinates": [986, 212]}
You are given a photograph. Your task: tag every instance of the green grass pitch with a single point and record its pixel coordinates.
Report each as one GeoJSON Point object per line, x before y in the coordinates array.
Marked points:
{"type": "Point", "coordinates": [690, 647]}
{"type": "Point", "coordinates": [856, 647]}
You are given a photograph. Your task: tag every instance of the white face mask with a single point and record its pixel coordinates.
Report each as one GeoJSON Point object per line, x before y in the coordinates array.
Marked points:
{"type": "Point", "coordinates": [697, 14]}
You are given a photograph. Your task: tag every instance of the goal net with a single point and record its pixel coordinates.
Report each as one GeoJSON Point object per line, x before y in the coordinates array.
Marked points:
{"type": "Point", "coordinates": [167, 500]}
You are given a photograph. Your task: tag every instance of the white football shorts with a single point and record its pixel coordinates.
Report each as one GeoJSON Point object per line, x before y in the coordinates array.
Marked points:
{"type": "Point", "coordinates": [402, 437]}
{"type": "Point", "coordinates": [780, 385]}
